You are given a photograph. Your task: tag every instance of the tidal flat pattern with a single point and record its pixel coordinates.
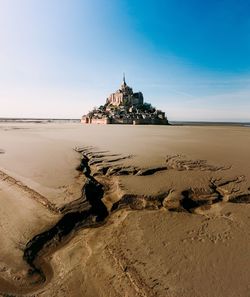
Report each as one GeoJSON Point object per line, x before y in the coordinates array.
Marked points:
{"type": "Point", "coordinates": [101, 169]}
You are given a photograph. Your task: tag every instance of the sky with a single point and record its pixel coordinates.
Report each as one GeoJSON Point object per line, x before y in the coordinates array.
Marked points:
{"type": "Point", "coordinates": [190, 58]}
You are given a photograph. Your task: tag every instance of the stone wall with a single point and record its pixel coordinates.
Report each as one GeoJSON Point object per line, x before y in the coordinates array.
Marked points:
{"type": "Point", "coordinates": [105, 121]}
{"type": "Point", "coordinates": [150, 122]}
{"type": "Point", "coordinates": [122, 121]}
{"type": "Point", "coordinates": [87, 120]}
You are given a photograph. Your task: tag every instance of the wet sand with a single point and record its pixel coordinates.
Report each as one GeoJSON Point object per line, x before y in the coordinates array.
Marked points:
{"type": "Point", "coordinates": [124, 210]}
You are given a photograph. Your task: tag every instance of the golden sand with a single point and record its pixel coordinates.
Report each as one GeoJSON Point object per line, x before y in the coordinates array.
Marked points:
{"type": "Point", "coordinates": [151, 210]}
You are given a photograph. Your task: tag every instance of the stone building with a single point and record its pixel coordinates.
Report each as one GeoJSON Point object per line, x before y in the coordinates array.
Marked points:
{"type": "Point", "coordinates": [125, 107]}
{"type": "Point", "coordinates": [125, 96]}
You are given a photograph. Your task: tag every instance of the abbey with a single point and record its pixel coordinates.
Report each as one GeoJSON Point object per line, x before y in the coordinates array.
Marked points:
{"type": "Point", "coordinates": [125, 107]}
{"type": "Point", "coordinates": [125, 96]}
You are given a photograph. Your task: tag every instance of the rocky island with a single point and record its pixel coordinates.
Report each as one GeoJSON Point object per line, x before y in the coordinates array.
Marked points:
{"type": "Point", "coordinates": [126, 107]}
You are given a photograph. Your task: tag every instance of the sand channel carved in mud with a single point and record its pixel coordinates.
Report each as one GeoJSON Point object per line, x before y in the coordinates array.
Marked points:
{"type": "Point", "coordinates": [90, 210]}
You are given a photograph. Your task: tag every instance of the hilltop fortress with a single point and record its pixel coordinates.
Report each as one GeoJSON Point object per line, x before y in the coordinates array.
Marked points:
{"type": "Point", "coordinates": [125, 107]}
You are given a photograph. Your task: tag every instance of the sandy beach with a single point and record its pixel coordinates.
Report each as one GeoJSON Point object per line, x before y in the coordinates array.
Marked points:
{"type": "Point", "coordinates": [109, 210]}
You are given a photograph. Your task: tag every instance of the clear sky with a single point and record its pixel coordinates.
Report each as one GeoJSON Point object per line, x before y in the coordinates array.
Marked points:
{"type": "Point", "coordinates": [190, 58]}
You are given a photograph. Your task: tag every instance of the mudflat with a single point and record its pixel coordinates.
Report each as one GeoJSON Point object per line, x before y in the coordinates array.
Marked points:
{"type": "Point", "coordinates": [92, 210]}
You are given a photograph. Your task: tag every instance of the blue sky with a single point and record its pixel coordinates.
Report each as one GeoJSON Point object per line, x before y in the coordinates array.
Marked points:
{"type": "Point", "coordinates": [190, 58]}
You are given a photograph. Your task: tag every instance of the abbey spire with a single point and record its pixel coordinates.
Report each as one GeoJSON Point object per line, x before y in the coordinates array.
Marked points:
{"type": "Point", "coordinates": [123, 85]}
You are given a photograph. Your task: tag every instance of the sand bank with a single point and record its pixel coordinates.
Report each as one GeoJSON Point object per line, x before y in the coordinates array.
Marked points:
{"type": "Point", "coordinates": [176, 202]}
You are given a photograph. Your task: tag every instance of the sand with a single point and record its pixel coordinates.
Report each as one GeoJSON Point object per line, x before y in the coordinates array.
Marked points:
{"type": "Point", "coordinates": [124, 210]}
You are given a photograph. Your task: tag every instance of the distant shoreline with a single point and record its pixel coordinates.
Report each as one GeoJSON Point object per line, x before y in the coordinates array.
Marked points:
{"type": "Point", "coordinates": [175, 123]}
{"type": "Point", "coordinates": [207, 123]}
{"type": "Point", "coordinates": [37, 120]}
